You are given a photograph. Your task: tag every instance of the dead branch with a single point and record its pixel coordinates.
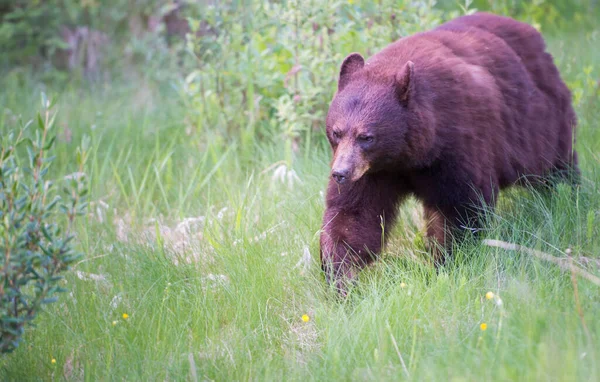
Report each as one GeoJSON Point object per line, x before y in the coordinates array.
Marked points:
{"type": "Point", "coordinates": [563, 262]}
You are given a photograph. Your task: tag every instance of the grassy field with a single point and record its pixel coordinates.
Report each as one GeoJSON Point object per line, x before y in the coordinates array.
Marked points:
{"type": "Point", "coordinates": [202, 258]}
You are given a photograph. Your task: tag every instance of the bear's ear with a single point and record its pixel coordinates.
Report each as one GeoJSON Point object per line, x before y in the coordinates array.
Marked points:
{"type": "Point", "coordinates": [404, 80]}
{"type": "Point", "coordinates": [351, 64]}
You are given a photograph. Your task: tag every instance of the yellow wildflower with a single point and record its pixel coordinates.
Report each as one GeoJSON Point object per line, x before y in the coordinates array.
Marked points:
{"type": "Point", "coordinates": [53, 361]}
{"type": "Point", "coordinates": [483, 327]}
{"type": "Point", "coordinates": [125, 316]}
{"type": "Point", "coordinates": [402, 285]}
{"type": "Point", "coordinates": [305, 318]}
{"type": "Point", "coordinates": [489, 295]}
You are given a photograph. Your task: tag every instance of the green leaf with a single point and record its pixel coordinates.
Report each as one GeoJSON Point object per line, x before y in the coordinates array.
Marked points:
{"type": "Point", "coordinates": [51, 122]}
{"type": "Point", "coordinates": [26, 126]}
{"type": "Point", "coordinates": [41, 123]}
{"type": "Point", "coordinates": [50, 142]}
{"type": "Point", "coordinates": [45, 103]}
{"type": "Point", "coordinates": [53, 101]}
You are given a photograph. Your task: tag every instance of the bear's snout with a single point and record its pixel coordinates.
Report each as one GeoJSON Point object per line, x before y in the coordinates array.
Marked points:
{"type": "Point", "coordinates": [342, 168]}
{"type": "Point", "coordinates": [340, 176]}
{"type": "Point", "coordinates": [349, 164]}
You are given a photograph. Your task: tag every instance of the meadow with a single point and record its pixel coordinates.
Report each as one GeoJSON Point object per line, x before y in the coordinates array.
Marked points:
{"type": "Point", "coordinates": [201, 257]}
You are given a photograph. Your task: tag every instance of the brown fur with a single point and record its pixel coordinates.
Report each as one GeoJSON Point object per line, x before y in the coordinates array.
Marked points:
{"type": "Point", "coordinates": [451, 116]}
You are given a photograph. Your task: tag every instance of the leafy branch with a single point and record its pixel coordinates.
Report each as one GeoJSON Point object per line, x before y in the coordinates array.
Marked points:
{"type": "Point", "coordinates": [35, 250]}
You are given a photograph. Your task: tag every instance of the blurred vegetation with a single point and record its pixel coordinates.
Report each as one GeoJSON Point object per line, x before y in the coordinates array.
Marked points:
{"type": "Point", "coordinates": [142, 32]}
{"type": "Point", "coordinates": [90, 37]}
{"type": "Point", "coordinates": [548, 15]}
{"type": "Point", "coordinates": [278, 61]}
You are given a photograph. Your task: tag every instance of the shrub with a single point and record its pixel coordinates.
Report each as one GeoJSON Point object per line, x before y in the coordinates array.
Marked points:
{"type": "Point", "coordinates": [34, 249]}
{"type": "Point", "coordinates": [270, 68]}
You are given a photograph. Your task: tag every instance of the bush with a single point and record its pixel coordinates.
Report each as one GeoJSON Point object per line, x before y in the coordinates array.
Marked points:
{"type": "Point", "coordinates": [86, 37]}
{"type": "Point", "coordinates": [270, 68]}
{"type": "Point", "coordinates": [35, 251]}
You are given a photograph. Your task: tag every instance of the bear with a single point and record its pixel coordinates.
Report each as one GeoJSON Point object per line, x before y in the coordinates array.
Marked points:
{"type": "Point", "coordinates": [451, 116]}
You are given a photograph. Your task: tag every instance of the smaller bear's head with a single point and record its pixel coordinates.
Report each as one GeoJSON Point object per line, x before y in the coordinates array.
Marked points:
{"type": "Point", "coordinates": [373, 123]}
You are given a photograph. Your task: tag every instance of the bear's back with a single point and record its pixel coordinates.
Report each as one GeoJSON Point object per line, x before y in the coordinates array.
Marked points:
{"type": "Point", "coordinates": [527, 43]}
{"type": "Point", "coordinates": [491, 90]}
{"type": "Point", "coordinates": [529, 46]}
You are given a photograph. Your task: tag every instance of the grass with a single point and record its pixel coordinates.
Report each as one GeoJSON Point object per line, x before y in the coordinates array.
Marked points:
{"type": "Point", "coordinates": [221, 296]}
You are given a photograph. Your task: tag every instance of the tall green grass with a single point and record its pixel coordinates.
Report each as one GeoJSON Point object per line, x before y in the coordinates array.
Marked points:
{"type": "Point", "coordinates": [221, 296]}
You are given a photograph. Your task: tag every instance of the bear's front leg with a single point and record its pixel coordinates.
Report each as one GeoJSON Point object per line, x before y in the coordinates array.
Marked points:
{"type": "Point", "coordinates": [353, 224]}
{"type": "Point", "coordinates": [449, 224]}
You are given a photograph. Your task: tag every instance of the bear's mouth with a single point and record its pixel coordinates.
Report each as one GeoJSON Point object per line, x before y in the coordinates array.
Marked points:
{"type": "Point", "coordinates": [361, 170]}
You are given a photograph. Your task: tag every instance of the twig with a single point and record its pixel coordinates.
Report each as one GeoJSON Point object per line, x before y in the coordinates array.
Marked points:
{"type": "Point", "coordinates": [193, 371]}
{"type": "Point", "coordinates": [398, 350]}
{"type": "Point", "coordinates": [578, 304]}
{"type": "Point", "coordinates": [563, 263]}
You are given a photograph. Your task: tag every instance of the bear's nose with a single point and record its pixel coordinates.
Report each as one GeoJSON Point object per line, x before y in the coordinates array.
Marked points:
{"type": "Point", "coordinates": [340, 176]}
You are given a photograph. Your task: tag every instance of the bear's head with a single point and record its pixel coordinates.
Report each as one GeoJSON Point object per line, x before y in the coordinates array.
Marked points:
{"type": "Point", "coordinates": [376, 121]}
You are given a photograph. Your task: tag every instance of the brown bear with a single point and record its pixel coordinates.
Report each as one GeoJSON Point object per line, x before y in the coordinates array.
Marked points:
{"type": "Point", "coordinates": [451, 116]}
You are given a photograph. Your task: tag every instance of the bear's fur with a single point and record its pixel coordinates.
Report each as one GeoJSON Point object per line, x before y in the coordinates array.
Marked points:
{"type": "Point", "coordinates": [450, 115]}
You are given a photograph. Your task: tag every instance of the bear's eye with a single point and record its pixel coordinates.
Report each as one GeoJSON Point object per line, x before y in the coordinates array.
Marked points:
{"type": "Point", "coordinates": [365, 138]}
{"type": "Point", "coordinates": [337, 134]}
